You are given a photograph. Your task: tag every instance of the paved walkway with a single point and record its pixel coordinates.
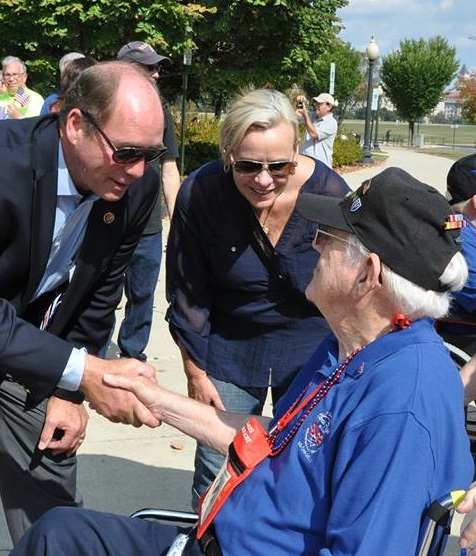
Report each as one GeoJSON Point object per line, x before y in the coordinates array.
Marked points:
{"type": "Point", "coordinates": [428, 168]}
{"type": "Point", "coordinates": [121, 468]}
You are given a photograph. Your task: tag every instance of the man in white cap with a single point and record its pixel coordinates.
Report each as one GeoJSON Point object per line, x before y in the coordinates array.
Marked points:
{"type": "Point", "coordinates": [321, 127]}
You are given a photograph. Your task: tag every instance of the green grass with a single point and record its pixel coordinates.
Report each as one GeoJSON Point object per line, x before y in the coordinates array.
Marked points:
{"type": "Point", "coordinates": [434, 134]}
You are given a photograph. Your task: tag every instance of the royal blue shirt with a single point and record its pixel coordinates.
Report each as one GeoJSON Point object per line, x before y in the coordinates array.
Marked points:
{"type": "Point", "coordinates": [237, 303]}
{"type": "Point", "coordinates": [368, 460]}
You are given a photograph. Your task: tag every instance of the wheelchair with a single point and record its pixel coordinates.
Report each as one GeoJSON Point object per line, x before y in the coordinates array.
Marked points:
{"type": "Point", "coordinates": [433, 535]}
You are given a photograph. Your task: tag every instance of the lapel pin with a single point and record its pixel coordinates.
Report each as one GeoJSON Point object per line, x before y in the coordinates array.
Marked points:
{"type": "Point", "coordinates": [108, 218]}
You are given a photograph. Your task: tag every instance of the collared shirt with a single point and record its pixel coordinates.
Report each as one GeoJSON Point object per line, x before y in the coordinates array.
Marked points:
{"type": "Point", "coordinates": [322, 147]}
{"type": "Point", "coordinates": [237, 304]}
{"type": "Point", "coordinates": [72, 211]}
{"type": "Point", "coordinates": [366, 462]}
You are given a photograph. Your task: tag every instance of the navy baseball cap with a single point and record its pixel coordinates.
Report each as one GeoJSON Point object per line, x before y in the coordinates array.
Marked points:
{"type": "Point", "coordinates": [461, 180]}
{"type": "Point", "coordinates": [407, 223]}
{"type": "Point", "coordinates": [141, 53]}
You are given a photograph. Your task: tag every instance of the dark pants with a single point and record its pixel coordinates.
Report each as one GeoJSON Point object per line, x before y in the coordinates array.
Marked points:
{"type": "Point", "coordinates": [75, 532]}
{"type": "Point", "coordinates": [139, 288]}
{"type": "Point", "coordinates": [31, 482]}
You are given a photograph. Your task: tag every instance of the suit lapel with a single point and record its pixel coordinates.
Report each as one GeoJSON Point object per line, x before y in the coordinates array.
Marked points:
{"type": "Point", "coordinates": [45, 176]}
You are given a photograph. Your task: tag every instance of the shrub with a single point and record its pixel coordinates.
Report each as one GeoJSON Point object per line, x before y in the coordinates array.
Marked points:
{"type": "Point", "coordinates": [347, 149]}
{"type": "Point", "coordinates": [201, 141]}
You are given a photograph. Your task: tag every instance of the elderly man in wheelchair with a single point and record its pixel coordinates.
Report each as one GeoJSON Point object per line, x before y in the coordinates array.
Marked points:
{"type": "Point", "coordinates": [369, 433]}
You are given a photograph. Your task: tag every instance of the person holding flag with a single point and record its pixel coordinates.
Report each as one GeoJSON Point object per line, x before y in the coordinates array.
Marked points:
{"type": "Point", "coordinates": [18, 101]}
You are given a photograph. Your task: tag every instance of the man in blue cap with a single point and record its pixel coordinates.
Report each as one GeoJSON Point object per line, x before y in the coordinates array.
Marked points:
{"type": "Point", "coordinates": [143, 272]}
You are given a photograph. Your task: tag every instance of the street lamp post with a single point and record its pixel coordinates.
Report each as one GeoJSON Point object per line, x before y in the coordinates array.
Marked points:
{"type": "Point", "coordinates": [372, 52]}
{"type": "Point", "coordinates": [378, 93]}
{"type": "Point", "coordinates": [187, 62]}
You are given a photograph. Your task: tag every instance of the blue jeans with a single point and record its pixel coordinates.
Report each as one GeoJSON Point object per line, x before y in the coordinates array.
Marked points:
{"type": "Point", "coordinates": [247, 400]}
{"type": "Point", "coordinates": [139, 288]}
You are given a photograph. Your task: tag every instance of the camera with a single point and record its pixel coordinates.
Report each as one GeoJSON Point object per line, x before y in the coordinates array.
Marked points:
{"type": "Point", "coordinates": [299, 104]}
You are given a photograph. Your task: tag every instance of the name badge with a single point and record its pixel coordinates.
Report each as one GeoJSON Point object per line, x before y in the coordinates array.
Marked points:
{"type": "Point", "coordinates": [248, 449]}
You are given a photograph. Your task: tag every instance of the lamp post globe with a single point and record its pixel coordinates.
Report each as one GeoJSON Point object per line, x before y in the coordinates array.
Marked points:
{"type": "Point", "coordinates": [372, 52]}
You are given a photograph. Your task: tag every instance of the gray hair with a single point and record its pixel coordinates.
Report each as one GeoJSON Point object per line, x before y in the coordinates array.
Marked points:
{"type": "Point", "coordinates": [412, 300]}
{"type": "Point", "coordinates": [8, 60]}
{"type": "Point", "coordinates": [67, 58]}
{"type": "Point", "coordinates": [258, 108]}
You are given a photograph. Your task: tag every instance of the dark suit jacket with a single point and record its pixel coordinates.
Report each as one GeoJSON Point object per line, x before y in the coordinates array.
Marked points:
{"type": "Point", "coordinates": [28, 186]}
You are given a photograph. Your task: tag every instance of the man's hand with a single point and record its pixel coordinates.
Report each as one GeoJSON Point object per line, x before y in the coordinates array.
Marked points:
{"type": "Point", "coordinates": [13, 112]}
{"type": "Point", "coordinates": [117, 405]}
{"type": "Point", "coordinates": [64, 429]}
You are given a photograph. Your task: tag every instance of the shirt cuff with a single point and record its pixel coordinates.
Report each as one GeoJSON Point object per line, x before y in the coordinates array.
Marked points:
{"type": "Point", "coordinates": [73, 372]}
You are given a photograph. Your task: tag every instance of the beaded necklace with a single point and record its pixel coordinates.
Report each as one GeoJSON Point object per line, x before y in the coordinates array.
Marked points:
{"type": "Point", "coordinates": [307, 405]}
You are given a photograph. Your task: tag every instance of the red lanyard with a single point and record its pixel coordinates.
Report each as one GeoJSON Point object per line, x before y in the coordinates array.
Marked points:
{"type": "Point", "coordinates": [308, 404]}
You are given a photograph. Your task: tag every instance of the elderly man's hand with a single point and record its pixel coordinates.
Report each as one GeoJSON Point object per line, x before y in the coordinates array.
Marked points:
{"type": "Point", "coordinates": [117, 405]}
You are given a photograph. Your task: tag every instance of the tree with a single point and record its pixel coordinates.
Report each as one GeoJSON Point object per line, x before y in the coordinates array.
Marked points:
{"type": "Point", "coordinates": [466, 87]}
{"type": "Point", "coordinates": [40, 32]}
{"type": "Point", "coordinates": [415, 76]}
{"type": "Point", "coordinates": [261, 42]}
{"type": "Point", "coordinates": [234, 42]}
{"type": "Point", "coordinates": [348, 75]}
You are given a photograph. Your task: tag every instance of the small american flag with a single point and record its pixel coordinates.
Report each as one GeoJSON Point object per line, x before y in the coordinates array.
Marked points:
{"type": "Point", "coordinates": [22, 97]}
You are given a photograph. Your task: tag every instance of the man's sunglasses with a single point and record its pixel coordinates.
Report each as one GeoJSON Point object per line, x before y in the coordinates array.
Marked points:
{"type": "Point", "coordinates": [127, 155]}
{"type": "Point", "coordinates": [152, 68]}
{"type": "Point", "coordinates": [281, 168]}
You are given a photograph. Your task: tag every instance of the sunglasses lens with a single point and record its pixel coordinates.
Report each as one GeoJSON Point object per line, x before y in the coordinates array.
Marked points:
{"type": "Point", "coordinates": [153, 154]}
{"type": "Point", "coordinates": [247, 166]}
{"type": "Point", "coordinates": [127, 155]}
{"type": "Point", "coordinates": [281, 168]}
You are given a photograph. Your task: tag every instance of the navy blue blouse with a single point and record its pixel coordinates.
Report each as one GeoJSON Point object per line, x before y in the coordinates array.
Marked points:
{"type": "Point", "coordinates": [236, 303]}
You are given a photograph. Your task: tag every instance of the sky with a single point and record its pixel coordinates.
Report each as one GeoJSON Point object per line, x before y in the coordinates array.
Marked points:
{"type": "Point", "coordinates": [390, 21]}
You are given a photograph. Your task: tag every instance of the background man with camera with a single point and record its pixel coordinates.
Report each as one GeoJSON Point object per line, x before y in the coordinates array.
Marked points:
{"type": "Point", "coordinates": [321, 127]}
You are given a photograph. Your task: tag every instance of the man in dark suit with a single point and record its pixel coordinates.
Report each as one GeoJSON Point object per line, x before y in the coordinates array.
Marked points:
{"type": "Point", "coordinates": [75, 195]}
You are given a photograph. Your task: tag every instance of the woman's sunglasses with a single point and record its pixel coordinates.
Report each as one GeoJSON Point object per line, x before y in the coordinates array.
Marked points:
{"type": "Point", "coordinates": [249, 167]}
